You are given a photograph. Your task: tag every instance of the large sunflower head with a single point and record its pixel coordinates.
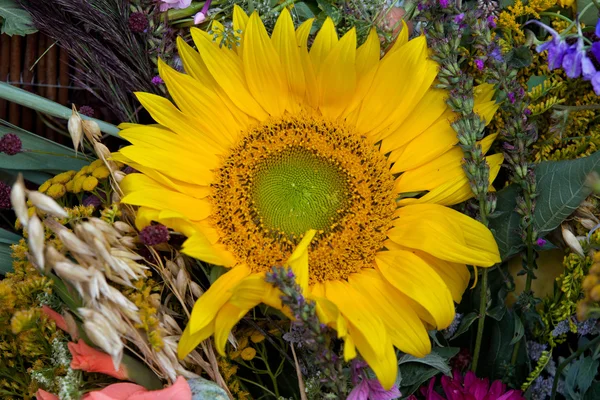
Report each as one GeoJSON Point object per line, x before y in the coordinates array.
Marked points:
{"type": "Point", "coordinates": [330, 160]}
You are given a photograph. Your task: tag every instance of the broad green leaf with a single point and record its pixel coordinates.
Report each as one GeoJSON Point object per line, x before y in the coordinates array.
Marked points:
{"type": "Point", "coordinates": [594, 392]}
{"type": "Point", "coordinates": [561, 187]}
{"type": "Point", "coordinates": [535, 80]}
{"type": "Point", "coordinates": [40, 154]}
{"type": "Point", "coordinates": [504, 223]}
{"type": "Point", "coordinates": [587, 371]}
{"type": "Point", "coordinates": [7, 238]}
{"type": "Point", "coordinates": [519, 330]}
{"type": "Point", "coordinates": [16, 21]}
{"type": "Point", "coordinates": [43, 105]}
{"type": "Point", "coordinates": [9, 176]}
{"type": "Point", "coordinates": [433, 360]}
{"type": "Point", "coordinates": [465, 324]}
{"type": "Point", "coordinates": [416, 371]}
{"type": "Point", "coordinates": [303, 11]}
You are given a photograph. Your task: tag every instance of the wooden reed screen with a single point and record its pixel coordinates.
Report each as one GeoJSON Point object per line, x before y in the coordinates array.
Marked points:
{"type": "Point", "coordinates": [34, 63]}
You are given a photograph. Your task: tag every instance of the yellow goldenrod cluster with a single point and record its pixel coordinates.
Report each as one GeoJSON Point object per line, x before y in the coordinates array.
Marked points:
{"type": "Point", "coordinates": [141, 296]}
{"type": "Point", "coordinates": [511, 19]}
{"type": "Point", "coordinates": [229, 373]}
{"type": "Point", "coordinates": [590, 304]}
{"type": "Point", "coordinates": [26, 334]}
{"type": "Point", "coordinates": [559, 307]}
{"type": "Point", "coordinates": [84, 180]}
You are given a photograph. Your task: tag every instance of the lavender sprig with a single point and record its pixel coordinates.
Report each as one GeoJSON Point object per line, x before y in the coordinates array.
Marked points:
{"type": "Point", "coordinates": [317, 337]}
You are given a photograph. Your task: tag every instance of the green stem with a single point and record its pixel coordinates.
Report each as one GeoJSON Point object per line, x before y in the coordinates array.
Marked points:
{"type": "Point", "coordinates": [174, 15]}
{"type": "Point", "coordinates": [260, 386]}
{"type": "Point", "coordinates": [578, 108]}
{"type": "Point", "coordinates": [573, 356]}
{"type": "Point", "coordinates": [480, 323]}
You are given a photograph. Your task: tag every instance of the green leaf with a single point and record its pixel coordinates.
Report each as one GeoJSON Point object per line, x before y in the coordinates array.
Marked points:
{"type": "Point", "coordinates": [433, 360]}
{"type": "Point", "coordinates": [504, 223]}
{"type": "Point", "coordinates": [203, 389]}
{"type": "Point", "coordinates": [303, 11]}
{"type": "Point", "coordinates": [561, 189]}
{"type": "Point", "coordinates": [43, 105]}
{"type": "Point", "coordinates": [465, 324]}
{"type": "Point", "coordinates": [593, 393]}
{"type": "Point", "coordinates": [331, 10]}
{"type": "Point", "coordinates": [519, 57]}
{"type": "Point", "coordinates": [587, 371]}
{"type": "Point", "coordinates": [41, 155]}
{"type": "Point", "coordinates": [7, 239]}
{"type": "Point", "coordinates": [17, 21]}
{"type": "Point", "coordinates": [535, 81]}
{"type": "Point", "coordinates": [518, 332]}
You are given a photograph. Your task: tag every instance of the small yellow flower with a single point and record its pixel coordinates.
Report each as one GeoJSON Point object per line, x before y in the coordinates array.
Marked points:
{"type": "Point", "coordinates": [24, 320]}
{"type": "Point", "coordinates": [78, 183]}
{"type": "Point", "coordinates": [44, 186]}
{"type": "Point", "coordinates": [63, 177]}
{"type": "Point", "coordinates": [96, 164]}
{"type": "Point", "coordinates": [90, 183]}
{"type": "Point", "coordinates": [69, 186]}
{"type": "Point", "coordinates": [81, 172]}
{"type": "Point", "coordinates": [101, 172]}
{"type": "Point", "coordinates": [57, 190]}
{"type": "Point", "coordinates": [566, 3]}
{"type": "Point", "coordinates": [248, 353]}
{"type": "Point", "coordinates": [257, 337]}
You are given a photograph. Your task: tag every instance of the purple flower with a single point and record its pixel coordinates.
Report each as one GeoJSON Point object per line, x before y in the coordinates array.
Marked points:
{"type": "Point", "coordinates": [491, 20]}
{"type": "Point", "coordinates": [572, 59]}
{"type": "Point", "coordinates": [534, 349]}
{"type": "Point", "coordinates": [154, 234]}
{"type": "Point", "coordinates": [459, 18]}
{"type": "Point", "coordinates": [87, 111]}
{"type": "Point", "coordinates": [511, 97]}
{"type": "Point", "coordinates": [138, 22]}
{"type": "Point", "coordinates": [556, 47]}
{"type": "Point", "coordinates": [176, 4]}
{"type": "Point", "coordinates": [11, 144]}
{"type": "Point", "coordinates": [479, 64]}
{"type": "Point", "coordinates": [596, 50]}
{"type": "Point", "coordinates": [541, 242]}
{"type": "Point", "coordinates": [157, 80]}
{"type": "Point", "coordinates": [587, 67]}
{"type": "Point", "coordinates": [596, 83]}
{"type": "Point", "coordinates": [4, 195]}
{"type": "Point", "coordinates": [444, 3]}
{"type": "Point", "coordinates": [371, 389]}
{"type": "Point", "coordinates": [597, 32]}
{"type": "Point", "coordinates": [561, 328]}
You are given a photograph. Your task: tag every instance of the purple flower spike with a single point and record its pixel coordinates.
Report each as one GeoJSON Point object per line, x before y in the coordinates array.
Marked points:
{"type": "Point", "coordinates": [540, 242]}
{"type": "Point", "coordinates": [444, 3]}
{"type": "Point", "coordinates": [459, 18]}
{"type": "Point", "coordinates": [479, 64]}
{"type": "Point", "coordinates": [491, 20]}
{"type": "Point", "coordinates": [556, 47]}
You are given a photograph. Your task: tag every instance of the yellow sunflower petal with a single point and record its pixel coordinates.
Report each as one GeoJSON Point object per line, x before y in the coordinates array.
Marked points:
{"type": "Point", "coordinates": [352, 305]}
{"type": "Point", "coordinates": [198, 246]}
{"type": "Point", "coordinates": [189, 341]}
{"type": "Point", "coordinates": [215, 297]}
{"type": "Point", "coordinates": [413, 277]}
{"type": "Point", "coordinates": [329, 314]}
{"type": "Point", "coordinates": [402, 323]}
{"type": "Point", "coordinates": [337, 76]}
{"type": "Point", "coordinates": [312, 89]}
{"type": "Point", "coordinates": [240, 21]}
{"type": "Point", "coordinates": [194, 209]}
{"type": "Point", "coordinates": [285, 43]}
{"type": "Point", "coordinates": [385, 103]}
{"type": "Point", "coordinates": [324, 42]}
{"type": "Point", "coordinates": [254, 290]}
{"type": "Point", "coordinates": [262, 67]}
{"type": "Point", "coordinates": [228, 316]}
{"type": "Point", "coordinates": [228, 73]}
{"type": "Point", "coordinates": [456, 276]}
{"type": "Point", "coordinates": [298, 261]}
{"type": "Point", "coordinates": [446, 234]}
{"type": "Point", "coordinates": [349, 348]}
{"type": "Point", "coordinates": [401, 40]}
{"type": "Point", "coordinates": [385, 365]}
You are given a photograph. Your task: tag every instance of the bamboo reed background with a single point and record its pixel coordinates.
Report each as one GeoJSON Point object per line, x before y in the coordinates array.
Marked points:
{"type": "Point", "coordinates": [36, 64]}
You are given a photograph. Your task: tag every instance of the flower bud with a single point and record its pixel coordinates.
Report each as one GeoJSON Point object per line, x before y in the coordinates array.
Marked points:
{"type": "Point", "coordinates": [91, 129]}
{"type": "Point", "coordinates": [35, 232]}
{"type": "Point", "coordinates": [17, 199]}
{"type": "Point", "coordinates": [47, 204]}
{"type": "Point", "coordinates": [571, 241]}
{"type": "Point", "coordinates": [75, 128]}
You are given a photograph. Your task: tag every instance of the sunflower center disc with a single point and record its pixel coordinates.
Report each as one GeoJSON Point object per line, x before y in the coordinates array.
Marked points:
{"type": "Point", "coordinates": [296, 190]}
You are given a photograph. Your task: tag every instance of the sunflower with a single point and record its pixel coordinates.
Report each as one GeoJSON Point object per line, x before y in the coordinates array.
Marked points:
{"type": "Point", "coordinates": [332, 161]}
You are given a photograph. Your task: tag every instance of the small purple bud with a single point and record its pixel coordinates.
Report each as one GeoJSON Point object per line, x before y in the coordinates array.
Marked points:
{"type": "Point", "coordinates": [491, 20]}
{"type": "Point", "coordinates": [87, 111]}
{"type": "Point", "coordinates": [444, 3]}
{"type": "Point", "coordinates": [597, 31]}
{"type": "Point", "coordinates": [290, 273]}
{"type": "Point", "coordinates": [157, 80]}
{"type": "Point", "coordinates": [541, 242]}
{"type": "Point", "coordinates": [479, 64]}
{"type": "Point", "coordinates": [4, 195]}
{"type": "Point", "coordinates": [92, 201]}
{"type": "Point", "coordinates": [459, 18]}
{"type": "Point", "coordinates": [10, 144]}
{"type": "Point", "coordinates": [511, 97]}
{"type": "Point", "coordinates": [527, 111]}
{"type": "Point", "coordinates": [508, 146]}
{"type": "Point", "coordinates": [154, 234]}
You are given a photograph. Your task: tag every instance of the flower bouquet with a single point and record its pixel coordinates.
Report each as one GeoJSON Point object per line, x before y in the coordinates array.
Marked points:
{"type": "Point", "coordinates": [319, 199]}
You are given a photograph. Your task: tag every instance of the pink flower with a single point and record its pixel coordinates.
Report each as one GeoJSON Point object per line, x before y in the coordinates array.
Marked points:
{"type": "Point", "coordinates": [58, 319]}
{"type": "Point", "coordinates": [89, 359]}
{"type": "Point", "coordinates": [371, 389]}
{"type": "Point", "coordinates": [180, 390]}
{"type": "Point", "coordinates": [199, 18]}
{"type": "Point", "coordinates": [176, 4]}
{"type": "Point", "coordinates": [43, 395]}
{"type": "Point", "coordinates": [470, 388]}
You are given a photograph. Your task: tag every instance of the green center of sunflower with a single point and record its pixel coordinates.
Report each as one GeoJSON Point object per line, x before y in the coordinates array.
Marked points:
{"type": "Point", "coordinates": [300, 172]}
{"type": "Point", "coordinates": [296, 190]}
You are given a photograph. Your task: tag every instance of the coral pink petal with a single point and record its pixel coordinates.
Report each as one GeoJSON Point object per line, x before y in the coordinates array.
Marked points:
{"type": "Point", "coordinates": [116, 391]}
{"type": "Point", "coordinates": [43, 395]}
{"type": "Point", "coordinates": [58, 319]}
{"type": "Point", "coordinates": [180, 390]}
